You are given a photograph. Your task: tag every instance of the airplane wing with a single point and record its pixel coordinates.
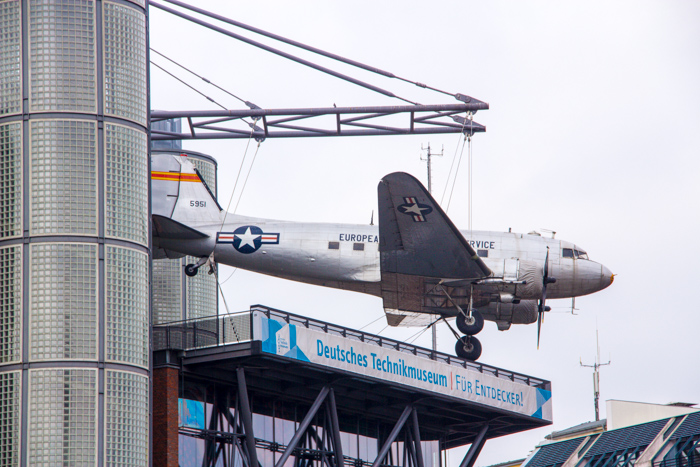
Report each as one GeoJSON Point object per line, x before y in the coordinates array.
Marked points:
{"type": "Point", "coordinates": [418, 246]}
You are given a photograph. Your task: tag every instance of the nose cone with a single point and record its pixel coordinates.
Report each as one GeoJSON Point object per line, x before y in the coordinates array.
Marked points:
{"type": "Point", "coordinates": [593, 277]}
{"type": "Point", "coordinates": [606, 277]}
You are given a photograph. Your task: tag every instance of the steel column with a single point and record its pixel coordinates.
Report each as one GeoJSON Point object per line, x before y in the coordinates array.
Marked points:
{"type": "Point", "coordinates": [337, 443]}
{"type": "Point", "coordinates": [303, 426]}
{"type": "Point", "coordinates": [416, 438]}
{"type": "Point", "coordinates": [246, 417]}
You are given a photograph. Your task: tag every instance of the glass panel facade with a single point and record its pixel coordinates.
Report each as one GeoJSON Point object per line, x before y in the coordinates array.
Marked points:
{"type": "Point", "coordinates": [63, 301]}
{"type": "Point", "coordinates": [63, 177]}
{"type": "Point", "coordinates": [62, 417]}
{"type": "Point", "coordinates": [167, 290]}
{"type": "Point", "coordinates": [208, 171]}
{"type": "Point", "coordinates": [10, 179]}
{"type": "Point", "coordinates": [125, 62]}
{"type": "Point", "coordinates": [10, 391]}
{"type": "Point", "coordinates": [62, 55]}
{"type": "Point", "coordinates": [126, 296]}
{"type": "Point", "coordinates": [10, 304]}
{"type": "Point", "coordinates": [126, 183]}
{"type": "Point", "coordinates": [10, 58]}
{"type": "Point", "coordinates": [201, 292]}
{"type": "Point", "coordinates": [126, 419]}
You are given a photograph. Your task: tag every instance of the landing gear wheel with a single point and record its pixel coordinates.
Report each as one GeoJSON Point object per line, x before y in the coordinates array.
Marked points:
{"type": "Point", "coordinates": [471, 326]}
{"type": "Point", "coordinates": [468, 347]}
{"type": "Point", "coordinates": [191, 270]}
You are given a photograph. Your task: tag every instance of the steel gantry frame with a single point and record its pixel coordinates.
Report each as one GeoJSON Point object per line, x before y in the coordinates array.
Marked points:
{"type": "Point", "coordinates": [307, 446]}
{"type": "Point", "coordinates": [347, 121]}
{"type": "Point", "coordinates": [294, 123]}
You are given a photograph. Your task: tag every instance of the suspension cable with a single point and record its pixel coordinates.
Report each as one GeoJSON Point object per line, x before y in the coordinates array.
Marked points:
{"type": "Point", "coordinates": [245, 182]}
{"type": "Point", "coordinates": [315, 50]}
{"type": "Point", "coordinates": [249, 104]}
{"type": "Point", "coordinates": [188, 85]}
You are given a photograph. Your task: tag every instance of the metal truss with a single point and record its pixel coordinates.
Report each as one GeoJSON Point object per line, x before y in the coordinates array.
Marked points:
{"type": "Point", "coordinates": [230, 439]}
{"type": "Point", "coordinates": [323, 122]}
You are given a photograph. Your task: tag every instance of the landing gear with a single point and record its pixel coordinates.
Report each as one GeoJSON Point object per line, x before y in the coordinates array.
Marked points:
{"type": "Point", "coordinates": [192, 269]}
{"type": "Point", "coordinates": [470, 325]}
{"type": "Point", "coordinates": [468, 347]}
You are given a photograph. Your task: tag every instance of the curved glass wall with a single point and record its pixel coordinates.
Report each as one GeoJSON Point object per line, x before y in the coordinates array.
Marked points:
{"type": "Point", "coordinates": [74, 233]}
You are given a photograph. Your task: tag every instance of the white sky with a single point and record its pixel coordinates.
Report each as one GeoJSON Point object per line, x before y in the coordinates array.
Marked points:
{"type": "Point", "coordinates": [592, 132]}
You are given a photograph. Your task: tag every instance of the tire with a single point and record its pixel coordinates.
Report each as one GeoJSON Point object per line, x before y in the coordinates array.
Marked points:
{"type": "Point", "coordinates": [190, 270]}
{"type": "Point", "coordinates": [473, 328]}
{"type": "Point", "coordinates": [468, 347]}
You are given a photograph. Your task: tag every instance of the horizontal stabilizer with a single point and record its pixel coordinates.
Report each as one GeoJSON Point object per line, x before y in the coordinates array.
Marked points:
{"type": "Point", "coordinates": [168, 228]}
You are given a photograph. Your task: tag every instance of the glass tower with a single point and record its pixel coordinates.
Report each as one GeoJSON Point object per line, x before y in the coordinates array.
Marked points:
{"type": "Point", "coordinates": [74, 233]}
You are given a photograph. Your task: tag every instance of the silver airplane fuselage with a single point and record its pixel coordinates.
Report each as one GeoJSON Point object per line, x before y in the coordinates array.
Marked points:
{"type": "Point", "coordinates": [346, 256]}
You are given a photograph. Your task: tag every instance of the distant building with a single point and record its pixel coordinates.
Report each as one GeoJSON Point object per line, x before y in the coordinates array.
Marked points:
{"type": "Point", "coordinates": [635, 434]}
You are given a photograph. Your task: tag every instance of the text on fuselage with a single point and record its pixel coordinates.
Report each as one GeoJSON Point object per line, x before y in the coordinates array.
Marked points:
{"type": "Point", "coordinates": [358, 238]}
{"type": "Point", "coordinates": [484, 245]}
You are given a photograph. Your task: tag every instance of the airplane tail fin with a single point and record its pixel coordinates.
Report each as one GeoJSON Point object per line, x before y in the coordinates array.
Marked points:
{"type": "Point", "coordinates": [179, 193]}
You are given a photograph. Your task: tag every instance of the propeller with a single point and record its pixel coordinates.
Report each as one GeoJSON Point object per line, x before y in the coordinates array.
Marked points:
{"type": "Point", "coordinates": [541, 308]}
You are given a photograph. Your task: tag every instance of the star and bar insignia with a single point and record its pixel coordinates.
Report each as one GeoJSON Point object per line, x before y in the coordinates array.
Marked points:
{"type": "Point", "coordinates": [248, 238]}
{"type": "Point", "coordinates": [413, 208]}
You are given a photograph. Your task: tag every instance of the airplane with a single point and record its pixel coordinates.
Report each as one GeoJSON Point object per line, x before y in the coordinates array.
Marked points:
{"type": "Point", "coordinates": [416, 260]}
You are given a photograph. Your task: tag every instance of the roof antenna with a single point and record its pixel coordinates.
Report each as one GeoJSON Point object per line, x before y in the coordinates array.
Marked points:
{"type": "Point", "coordinates": [371, 220]}
{"type": "Point", "coordinates": [596, 376]}
{"type": "Point", "coordinates": [430, 190]}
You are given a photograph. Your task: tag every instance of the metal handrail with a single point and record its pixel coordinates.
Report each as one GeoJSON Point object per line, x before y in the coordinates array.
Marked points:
{"type": "Point", "coordinates": [204, 333]}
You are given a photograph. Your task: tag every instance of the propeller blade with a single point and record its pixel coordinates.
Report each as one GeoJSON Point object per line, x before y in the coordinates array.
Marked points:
{"type": "Point", "coordinates": [539, 327]}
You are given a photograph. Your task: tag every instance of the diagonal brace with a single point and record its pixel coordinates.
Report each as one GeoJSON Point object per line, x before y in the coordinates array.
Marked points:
{"type": "Point", "coordinates": [475, 448]}
{"type": "Point", "coordinates": [303, 426]}
{"type": "Point", "coordinates": [392, 436]}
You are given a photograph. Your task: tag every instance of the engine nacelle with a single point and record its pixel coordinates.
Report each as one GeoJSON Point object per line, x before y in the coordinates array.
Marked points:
{"type": "Point", "coordinates": [505, 314]}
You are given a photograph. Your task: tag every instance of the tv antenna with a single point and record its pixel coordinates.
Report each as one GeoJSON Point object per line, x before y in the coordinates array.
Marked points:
{"type": "Point", "coordinates": [430, 190]}
{"type": "Point", "coordinates": [430, 170]}
{"type": "Point", "coordinates": [596, 376]}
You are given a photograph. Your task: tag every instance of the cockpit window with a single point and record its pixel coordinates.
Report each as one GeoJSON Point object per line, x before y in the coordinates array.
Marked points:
{"type": "Point", "coordinates": [567, 253]}
{"type": "Point", "coordinates": [581, 254]}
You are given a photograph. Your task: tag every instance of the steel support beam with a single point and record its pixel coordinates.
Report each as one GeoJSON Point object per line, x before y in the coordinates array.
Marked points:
{"type": "Point", "coordinates": [416, 438]}
{"type": "Point", "coordinates": [335, 426]}
{"type": "Point", "coordinates": [349, 121]}
{"type": "Point", "coordinates": [475, 448]}
{"type": "Point", "coordinates": [392, 436]}
{"type": "Point", "coordinates": [303, 426]}
{"type": "Point", "coordinates": [246, 417]}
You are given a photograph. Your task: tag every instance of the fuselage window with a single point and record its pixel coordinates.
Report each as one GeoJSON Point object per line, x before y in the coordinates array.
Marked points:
{"type": "Point", "coordinates": [483, 253]}
{"type": "Point", "coordinates": [358, 246]}
{"type": "Point", "coordinates": [333, 245]}
{"type": "Point", "coordinates": [581, 254]}
{"type": "Point", "coordinates": [567, 253]}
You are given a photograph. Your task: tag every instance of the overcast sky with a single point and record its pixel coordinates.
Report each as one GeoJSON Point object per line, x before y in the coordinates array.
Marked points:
{"type": "Point", "coordinates": [592, 132]}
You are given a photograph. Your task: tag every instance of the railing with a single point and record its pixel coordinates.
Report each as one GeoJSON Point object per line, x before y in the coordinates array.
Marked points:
{"type": "Point", "coordinates": [238, 327]}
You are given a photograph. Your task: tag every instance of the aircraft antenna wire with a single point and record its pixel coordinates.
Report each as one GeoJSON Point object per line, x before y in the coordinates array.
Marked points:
{"type": "Point", "coordinates": [371, 322]}
{"type": "Point", "coordinates": [188, 85]}
{"type": "Point", "coordinates": [229, 276]}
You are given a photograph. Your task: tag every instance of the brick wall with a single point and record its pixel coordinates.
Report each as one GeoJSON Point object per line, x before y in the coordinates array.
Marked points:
{"type": "Point", "coordinates": [165, 417]}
